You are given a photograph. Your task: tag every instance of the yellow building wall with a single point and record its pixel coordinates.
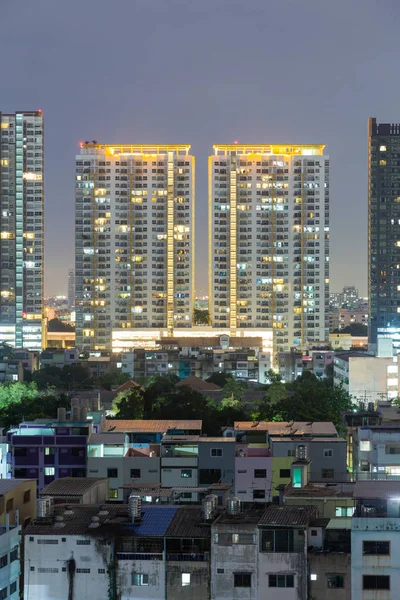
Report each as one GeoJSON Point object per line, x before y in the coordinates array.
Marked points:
{"type": "Point", "coordinates": [326, 506]}
{"type": "Point", "coordinates": [279, 463]}
{"type": "Point", "coordinates": [16, 500]}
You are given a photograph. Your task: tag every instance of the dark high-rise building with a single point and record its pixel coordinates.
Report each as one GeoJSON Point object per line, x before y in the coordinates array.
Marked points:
{"type": "Point", "coordinates": [383, 226]}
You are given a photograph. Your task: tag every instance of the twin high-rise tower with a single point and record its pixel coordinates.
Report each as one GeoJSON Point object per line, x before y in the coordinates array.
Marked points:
{"type": "Point", "coordinates": [21, 229]}
{"type": "Point", "coordinates": [268, 240]}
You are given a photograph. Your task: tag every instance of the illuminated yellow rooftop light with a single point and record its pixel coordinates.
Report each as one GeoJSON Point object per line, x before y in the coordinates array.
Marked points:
{"type": "Point", "coordinates": [139, 149]}
{"type": "Point", "coordinates": [260, 149]}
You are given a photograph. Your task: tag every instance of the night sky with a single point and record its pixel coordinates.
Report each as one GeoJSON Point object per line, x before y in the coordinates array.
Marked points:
{"type": "Point", "coordinates": [204, 72]}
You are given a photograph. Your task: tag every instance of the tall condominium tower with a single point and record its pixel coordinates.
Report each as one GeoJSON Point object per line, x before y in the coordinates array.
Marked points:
{"type": "Point", "coordinates": [383, 227]}
{"type": "Point", "coordinates": [21, 229]}
{"type": "Point", "coordinates": [134, 240]}
{"type": "Point", "coordinates": [269, 240]}
{"type": "Point", "coordinates": [71, 288]}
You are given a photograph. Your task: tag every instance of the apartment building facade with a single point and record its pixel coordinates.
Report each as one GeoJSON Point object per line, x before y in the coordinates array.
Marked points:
{"type": "Point", "coordinates": [134, 240]}
{"type": "Point", "coordinates": [269, 240]}
{"type": "Point", "coordinates": [22, 228]}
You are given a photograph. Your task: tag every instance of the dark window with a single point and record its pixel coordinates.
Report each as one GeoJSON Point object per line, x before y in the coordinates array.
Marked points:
{"type": "Point", "coordinates": [376, 582]}
{"type": "Point", "coordinates": [13, 587]}
{"type": "Point", "coordinates": [209, 476]}
{"type": "Point", "coordinates": [112, 473]}
{"type": "Point", "coordinates": [328, 473]}
{"type": "Point", "coordinates": [9, 505]}
{"type": "Point", "coordinates": [3, 561]}
{"type": "Point", "coordinates": [258, 494]}
{"type": "Point", "coordinates": [376, 547]}
{"type": "Point", "coordinates": [284, 473]}
{"type": "Point", "coordinates": [77, 452]}
{"type": "Point", "coordinates": [101, 570]}
{"type": "Point", "coordinates": [260, 473]}
{"type": "Point", "coordinates": [4, 593]}
{"type": "Point", "coordinates": [20, 451]}
{"type": "Point", "coordinates": [135, 473]}
{"type": "Point", "coordinates": [335, 581]}
{"type": "Point", "coordinates": [27, 496]}
{"type": "Point", "coordinates": [242, 579]}
{"type": "Point", "coordinates": [14, 554]}
{"type": "Point", "coordinates": [32, 568]}
{"type": "Point", "coordinates": [216, 452]}
{"type": "Point", "coordinates": [314, 532]}
{"type": "Point", "coordinates": [220, 571]}
{"type": "Point", "coordinates": [281, 581]}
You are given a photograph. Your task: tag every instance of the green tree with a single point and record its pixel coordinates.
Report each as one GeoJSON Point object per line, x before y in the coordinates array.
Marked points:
{"type": "Point", "coordinates": [49, 376]}
{"type": "Point", "coordinates": [114, 377]}
{"type": "Point", "coordinates": [219, 379]}
{"type": "Point", "coordinates": [43, 405]}
{"type": "Point", "coordinates": [129, 404]}
{"type": "Point", "coordinates": [16, 392]}
{"type": "Point", "coordinates": [6, 351]}
{"type": "Point", "coordinates": [59, 326]}
{"type": "Point", "coordinates": [356, 329]}
{"type": "Point", "coordinates": [201, 316]}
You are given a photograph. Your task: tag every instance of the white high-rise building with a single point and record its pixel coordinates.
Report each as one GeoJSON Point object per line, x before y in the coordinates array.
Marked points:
{"type": "Point", "coordinates": [71, 288]}
{"type": "Point", "coordinates": [21, 229]}
{"type": "Point", "coordinates": [269, 240]}
{"type": "Point", "coordinates": [134, 240]}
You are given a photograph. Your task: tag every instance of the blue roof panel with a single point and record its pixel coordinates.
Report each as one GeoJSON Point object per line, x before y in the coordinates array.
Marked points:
{"type": "Point", "coordinates": [155, 521]}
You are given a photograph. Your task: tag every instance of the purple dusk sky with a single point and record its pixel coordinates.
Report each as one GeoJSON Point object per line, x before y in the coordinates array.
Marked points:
{"type": "Point", "coordinates": [205, 72]}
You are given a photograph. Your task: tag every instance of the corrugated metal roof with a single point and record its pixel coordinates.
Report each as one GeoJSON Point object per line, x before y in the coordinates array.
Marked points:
{"type": "Point", "coordinates": [288, 515]}
{"type": "Point", "coordinates": [71, 486]}
{"type": "Point", "coordinates": [343, 523]}
{"type": "Point", "coordinates": [377, 489]}
{"type": "Point", "coordinates": [151, 425]}
{"type": "Point", "coordinates": [288, 427]}
{"type": "Point", "coordinates": [7, 485]}
{"type": "Point", "coordinates": [188, 522]}
{"type": "Point", "coordinates": [155, 521]}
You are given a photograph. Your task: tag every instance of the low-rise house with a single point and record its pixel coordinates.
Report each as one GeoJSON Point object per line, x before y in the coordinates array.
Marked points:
{"type": "Point", "coordinates": [376, 452]}
{"type": "Point", "coordinates": [17, 501]}
{"type": "Point", "coordinates": [77, 490]}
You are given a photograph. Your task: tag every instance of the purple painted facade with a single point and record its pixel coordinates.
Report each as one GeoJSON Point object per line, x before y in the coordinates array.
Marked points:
{"type": "Point", "coordinates": [253, 474]}
{"type": "Point", "coordinates": [48, 451]}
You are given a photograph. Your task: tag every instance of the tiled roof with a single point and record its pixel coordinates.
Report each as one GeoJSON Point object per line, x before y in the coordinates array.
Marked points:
{"type": "Point", "coordinates": [194, 383]}
{"type": "Point", "coordinates": [288, 428]}
{"type": "Point", "coordinates": [188, 522]}
{"type": "Point", "coordinates": [286, 438]}
{"type": "Point", "coordinates": [7, 485]}
{"type": "Point", "coordinates": [151, 425]}
{"type": "Point", "coordinates": [71, 486]}
{"type": "Point", "coordinates": [128, 385]}
{"type": "Point", "coordinates": [77, 520]}
{"type": "Point", "coordinates": [377, 489]}
{"type": "Point", "coordinates": [288, 515]}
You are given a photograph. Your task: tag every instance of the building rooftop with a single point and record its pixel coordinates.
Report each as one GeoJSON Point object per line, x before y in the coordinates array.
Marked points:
{"type": "Point", "coordinates": [377, 489]}
{"type": "Point", "coordinates": [288, 515]}
{"type": "Point", "coordinates": [71, 486]}
{"type": "Point", "coordinates": [196, 438]}
{"type": "Point", "coordinates": [107, 438]}
{"type": "Point", "coordinates": [321, 490]}
{"type": "Point", "coordinates": [7, 485]}
{"type": "Point", "coordinates": [150, 426]}
{"type": "Point", "coordinates": [76, 519]}
{"type": "Point", "coordinates": [275, 438]}
{"type": "Point", "coordinates": [128, 385]}
{"type": "Point", "coordinates": [286, 428]}
{"type": "Point", "coordinates": [352, 354]}
{"type": "Point", "coordinates": [188, 522]}
{"type": "Point", "coordinates": [197, 384]}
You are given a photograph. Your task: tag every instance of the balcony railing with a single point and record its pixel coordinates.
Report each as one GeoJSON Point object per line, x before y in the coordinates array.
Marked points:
{"type": "Point", "coordinates": [139, 556]}
{"type": "Point", "coordinates": [189, 557]}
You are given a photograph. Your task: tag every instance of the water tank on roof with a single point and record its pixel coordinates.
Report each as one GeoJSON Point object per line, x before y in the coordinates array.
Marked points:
{"type": "Point", "coordinates": [61, 415]}
{"type": "Point", "coordinates": [74, 402]}
{"type": "Point", "coordinates": [75, 413]}
{"type": "Point", "coordinates": [44, 507]}
{"type": "Point", "coordinates": [208, 506]}
{"type": "Point", "coordinates": [135, 507]}
{"type": "Point", "coordinates": [301, 452]}
{"type": "Point", "coordinates": [83, 414]}
{"type": "Point", "coordinates": [94, 404]}
{"type": "Point", "coordinates": [233, 506]}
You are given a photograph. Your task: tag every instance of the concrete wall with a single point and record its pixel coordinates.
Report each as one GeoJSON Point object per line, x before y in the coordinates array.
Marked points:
{"type": "Point", "coordinates": [155, 569]}
{"type": "Point", "coordinates": [10, 573]}
{"type": "Point", "coordinates": [245, 482]}
{"type": "Point", "coordinates": [226, 463]}
{"type": "Point", "coordinates": [231, 559]}
{"type": "Point", "coordinates": [379, 529]}
{"type": "Point", "coordinates": [171, 472]}
{"type": "Point", "coordinates": [39, 585]}
{"type": "Point", "coordinates": [199, 588]}
{"type": "Point", "coordinates": [289, 563]}
{"type": "Point", "coordinates": [323, 565]}
{"type": "Point", "coordinates": [368, 377]}
{"type": "Point", "coordinates": [326, 506]}
{"type": "Point", "coordinates": [315, 451]}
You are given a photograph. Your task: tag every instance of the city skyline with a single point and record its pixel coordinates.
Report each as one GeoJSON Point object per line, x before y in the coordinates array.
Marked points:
{"type": "Point", "coordinates": [323, 97]}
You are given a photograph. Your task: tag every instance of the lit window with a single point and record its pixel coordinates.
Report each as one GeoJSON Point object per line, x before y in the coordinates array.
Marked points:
{"type": "Point", "coordinates": [365, 446]}
{"type": "Point", "coordinates": [185, 578]}
{"type": "Point", "coordinates": [382, 148]}
{"type": "Point", "coordinates": [382, 163]}
{"type": "Point", "coordinates": [113, 494]}
{"type": "Point", "coordinates": [313, 577]}
{"type": "Point", "coordinates": [140, 579]}
{"type": "Point", "coordinates": [49, 471]}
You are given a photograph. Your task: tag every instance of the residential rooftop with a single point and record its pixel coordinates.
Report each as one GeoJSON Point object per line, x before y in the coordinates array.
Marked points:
{"type": "Point", "coordinates": [197, 384]}
{"type": "Point", "coordinates": [298, 428]}
{"type": "Point", "coordinates": [71, 486]}
{"type": "Point", "coordinates": [7, 485]}
{"type": "Point", "coordinates": [151, 425]}
{"type": "Point", "coordinates": [288, 515]}
{"type": "Point", "coordinates": [321, 490]}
